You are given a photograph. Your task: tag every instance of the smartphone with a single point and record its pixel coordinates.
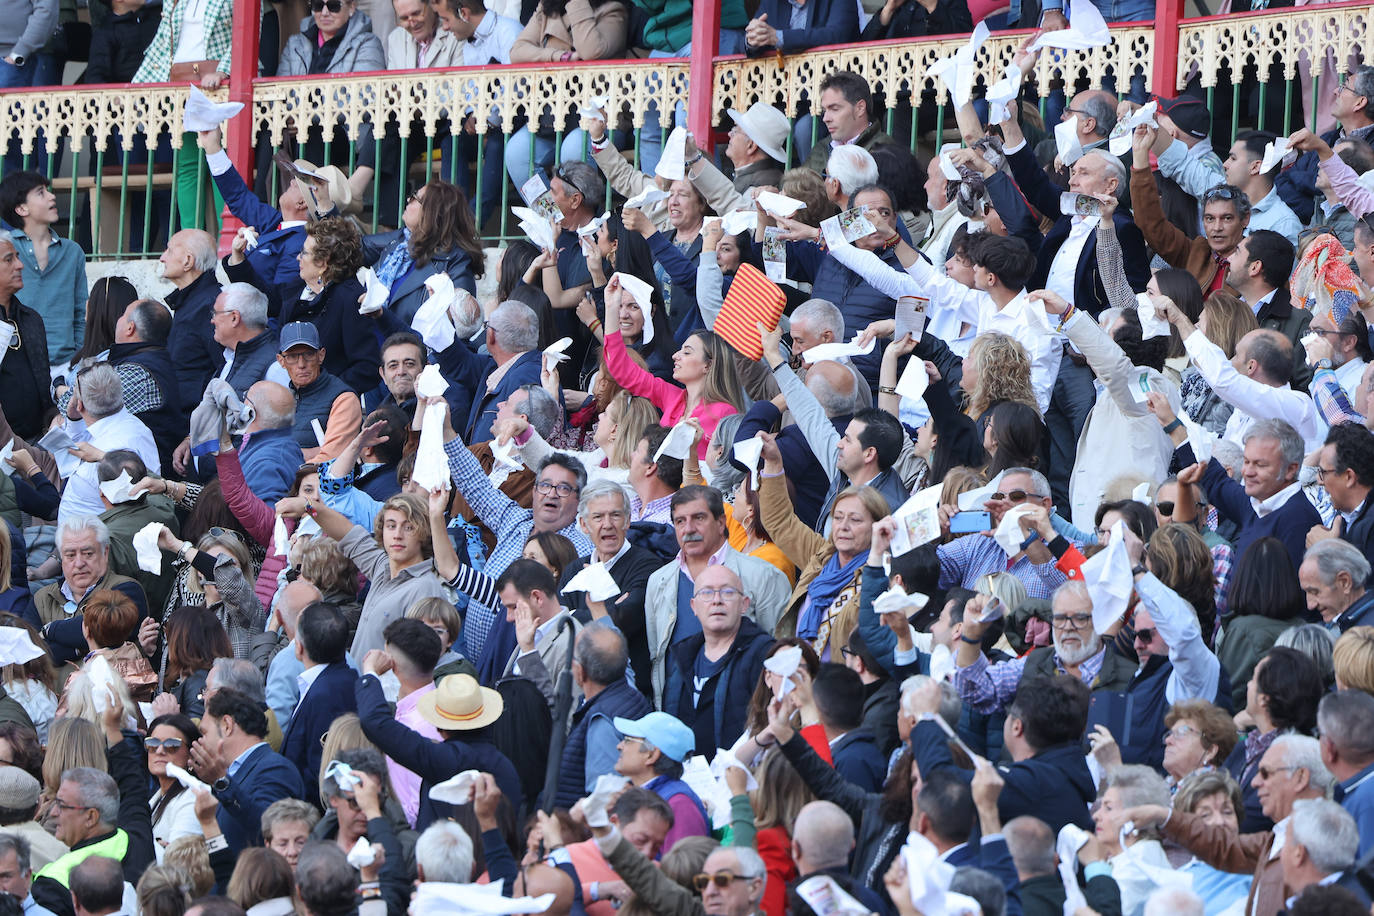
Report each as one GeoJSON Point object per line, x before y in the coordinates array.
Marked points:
{"type": "Point", "coordinates": [970, 522]}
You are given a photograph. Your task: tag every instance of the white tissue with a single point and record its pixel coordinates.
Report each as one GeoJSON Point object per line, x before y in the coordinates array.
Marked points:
{"type": "Point", "coordinates": [749, 452]}
{"type": "Point", "coordinates": [1087, 29]}
{"type": "Point", "coordinates": [784, 663]}
{"type": "Point", "coordinates": [950, 170]}
{"type": "Point", "coordinates": [608, 786]}
{"type": "Point", "coordinates": [595, 108]}
{"type": "Point", "coordinates": [457, 789]}
{"type": "Point", "coordinates": [672, 164]}
{"type": "Point", "coordinates": [281, 540]}
{"type": "Point", "coordinates": [1141, 493]}
{"type": "Point", "coordinates": [431, 320]}
{"type": "Point", "coordinates": [537, 228]}
{"type": "Point", "coordinates": [927, 876]}
{"type": "Point", "coordinates": [306, 527]}
{"type": "Point", "coordinates": [775, 204]}
{"type": "Point", "coordinates": [1107, 574]}
{"type": "Point", "coordinates": [117, 490]}
{"type": "Point", "coordinates": [145, 545]}
{"type": "Point", "coordinates": [249, 236]}
{"type": "Point", "coordinates": [825, 351]}
{"type": "Point", "coordinates": [1152, 323]}
{"type": "Point", "coordinates": [554, 352]}
{"type": "Point", "coordinates": [362, 854]}
{"type": "Point", "coordinates": [894, 599]}
{"type": "Point", "coordinates": [646, 198]}
{"type": "Point", "coordinates": [737, 221]}
{"type": "Point", "coordinates": [1067, 142]}
{"type": "Point", "coordinates": [431, 464]}
{"type": "Point", "coordinates": [1009, 534]}
{"type": "Point", "coordinates": [318, 430]}
{"type": "Point", "coordinates": [975, 499]}
{"type": "Point", "coordinates": [1002, 95]}
{"type": "Point", "coordinates": [942, 662]}
{"type": "Point", "coordinates": [678, 443]}
{"type": "Point", "coordinates": [101, 677]}
{"type": "Point", "coordinates": [6, 451]}
{"type": "Point", "coordinates": [202, 114]}
{"type": "Point", "coordinates": [593, 226]}
{"type": "Point", "coordinates": [375, 299]}
{"type": "Point", "coordinates": [913, 382]}
{"type": "Point", "coordinates": [595, 580]}
{"type": "Point", "coordinates": [957, 71]}
{"type": "Point", "coordinates": [186, 779]}
{"type": "Point", "coordinates": [430, 383]}
{"type": "Point", "coordinates": [1071, 839]}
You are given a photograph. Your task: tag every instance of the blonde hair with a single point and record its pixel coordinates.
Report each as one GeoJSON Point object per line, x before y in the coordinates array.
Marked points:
{"type": "Point", "coordinates": [189, 854]}
{"type": "Point", "coordinates": [415, 512]}
{"type": "Point", "coordinates": [164, 890]}
{"type": "Point", "coordinates": [346, 734]}
{"type": "Point", "coordinates": [722, 384]}
{"type": "Point", "coordinates": [1004, 373]}
{"type": "Point", "coordinates": [635, 415]}
{"type": "Point", "coordinates": [805, 185]}
{"type": "Point", "coordinates": [1228, 320]}
{"type": "Point", "coordinates": [439, 611]}
{"type": "Point", "coordinates": [80, 700]}
{"type": "Point", "coordinates": [72, 742]}
{"type": "Point", "coordinates": [874, 503]}
{"type": "Point", "coordinates": [959, 479]}
{"type": "Point", "coordinates": [6, 553]}
{"type": "Point", "coordinates": [1353, 658]}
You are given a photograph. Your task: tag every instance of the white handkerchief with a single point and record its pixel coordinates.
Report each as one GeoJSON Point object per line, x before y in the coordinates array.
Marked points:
{"type": "Point", "coordinates": [678, 443]}
{"type": "Point", "coordinates": [281, 540]}
{"type": "Point", "coordinates": [101, 677]}
{"type": "Point", "coordinates": [974, 499]}
{"type": "Point", "coordinates": [696, 772]}
{"type": "Point", "coordinates": [595, 108]}
{"type": "Point", "coordinates": [1087, 29]}
{"type": "Point", "coordinates": [641, 294]}
{"type": "Point", "coordinates": [593, 226]}
{"type": "Point", "coordinates": [431, 464]}
{"type": "Point", "coordinates": [1066, 141]}
{"type": "Point", "coordinates": [185, 778]}
{"type": "Point", "coordinates": [608, 786]}
{"type": "Point", "coordinates": [431, 382]}
{"type": "Point", "coordinates": [748, 452]}
{"type": "Point", "coordinates": [775, 204]}
{"type": "Point", "coordinates": [457, 789]}
{"type": "Point", "coordinates": [826, 898]}
{"type": "Point", "coordinates": [1120, 142]}
{"type": "Point", "coordinates": [725, 759]}
{"type": "Point", "coordinates": [825, 351]}
{"type": "Point", "coordinates": [318, 430]}
{"type": "Point", "coordinates": [438, 898]}
{"type": "Point", "coordinates": [1152, 324]}
{"type": "Point", "coordinates": [431, 320]}
{"type": "Point", "coordinates": [504, 462]}
{"type": "Point", "coordinates": [1141, 493]}
{"type": "Point", "coordinates": [737, 221]}
{"type": "Point", "coordinates": [1276, 153]}
{"type": "Point", "coordinates": [361, 854]}
{"type": "Point", "coordinates": [914, 380]}
{"type": "Point", "coordinates": [784, 664]}
{"type": "Point", "coordinates": [1200, 438]}
{"type": "Point", "coordinates": [250, 236]}
{"type": "Point", "coordinates": [375, 299]}
{"type": "Point", "coordinates": [537, 228]}
{"type": "Point", "coordinates": [145, 545]}
{"type": "Point", "coordinates": [948, 167]}
{"type": "Point", "coordinates": [958, 71]}
{"type": "Point", "coordinates": [6, 453]}
{"type": "Point", "coordinates": [1071, 839]}
{"type": "Point", "coordinates": [202, 114]}
{"type": "Point", "coordinates": [927, 877]}
{"type": "Point", "coordinates": [1002, 95]}
{"type": "Point", "coordinates": [595, 580]}
{"type": "Point", "coordinates": [17, 647]}
{"type": "Point", "coordinates": [307, 527]}
{"type": "Point", "coordinates": [894, 599]}
{"type": "Point", "coordinates": [117, 490]}
{"type": "Point", "coordinates": [942, 662]}
{"type": "Point", "coordinates": [1107, 575]}
{"type": "Point", "coordinates": [555, 353]}
{"type": "Point", "coordinates": [672, 164]}
{"type": "Point", "coordinates": [1009, 534]}
{"type": "Point", "coordinates": [646, 198]}
{"type": "Point", "coordinates": [1308, 339]}
{"type": "Point", "coordinates": [918, 519]}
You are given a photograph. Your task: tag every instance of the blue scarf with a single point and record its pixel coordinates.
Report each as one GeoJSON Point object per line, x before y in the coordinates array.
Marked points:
{"type": "Point", "coordinates": [820, 594]}
{"type": "Point", "coordinates": [397, 262]}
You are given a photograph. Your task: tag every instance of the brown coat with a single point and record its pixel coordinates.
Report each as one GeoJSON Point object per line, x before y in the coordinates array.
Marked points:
{"type": "Point", "coordinates": [1169, 241]}
{"type": "Point", "coordinates": [595, 33]}
{"type": "Point", "coordinates": [1237, 853]}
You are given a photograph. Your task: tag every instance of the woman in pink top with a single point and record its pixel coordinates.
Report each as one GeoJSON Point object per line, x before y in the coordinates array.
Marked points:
{"type": "Point", "coordinates": [703, 367]}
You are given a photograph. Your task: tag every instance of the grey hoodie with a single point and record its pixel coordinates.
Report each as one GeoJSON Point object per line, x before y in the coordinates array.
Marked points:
{"type": "Point", "coordinates": [359, 50]}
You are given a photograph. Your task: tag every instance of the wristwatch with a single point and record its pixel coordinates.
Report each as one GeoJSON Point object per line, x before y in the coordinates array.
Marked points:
{"type": "Point", "coordinates": [1323, 363]}
{"type": "Point", "coordinates": [221, 784]}
{"type": "Point", "coordinates": [1139, 569]}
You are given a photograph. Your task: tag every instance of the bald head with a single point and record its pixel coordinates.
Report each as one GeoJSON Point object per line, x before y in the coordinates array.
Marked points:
{"type": "Point", "coordinates": [274, 406]}
{"type": "Point", "coordinates": [1266, 356]}
{"type": "Point", "coordinates": [602, 655]}
{"type": "Point", "coordinates": [834, 386]}
{"type": "Point", "coordinates": [190, 253]}
{"type": "Point", "coordinates": [295, 597]}
{"type": "Point", "coordinates": [1031, 843]}
{"type": "Point", "coordinates": [822, 837]}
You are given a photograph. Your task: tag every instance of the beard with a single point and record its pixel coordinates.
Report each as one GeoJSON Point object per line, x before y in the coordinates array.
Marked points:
{"type": "Point", "coordinates": [1076, 655]}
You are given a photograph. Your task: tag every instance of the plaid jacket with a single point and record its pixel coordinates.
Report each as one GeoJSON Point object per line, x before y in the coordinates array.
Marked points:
{"type": "Point", "coordinates": [219, 27]}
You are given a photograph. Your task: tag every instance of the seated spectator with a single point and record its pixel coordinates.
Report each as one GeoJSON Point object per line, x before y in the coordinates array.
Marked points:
{"type": "Point", "coordinates": [1131, 855]}
{"type": "Point", "coordinates": [269, 452]}
{"type": "Point", "coordinates": [417, 42]}
{"type": "Point", "coordinates": [839, 697]}
{"type": "Point", "coordinates": [1031, 842]}
{"type": "Point", "coordinates": [323, 401]}
{"type": "Point", "coordinates": [83, 543]}
{"type": "Point", "coordinates": [652, 750]}
{"type": "Point", "coordinates": [358, 811]}
{"type": "Point", "coordinates": [98, 402]}
{"type": "Point", "coordinates": [403, 358]}
{"type": "Point", "coordinates": [221, 566]}
{"type": "Point", "coordinates": [846, 106]}
{"type": "Point", "coordinates": [1333, 573]}
{"type": "Point", "coordinates": [330, 258]}
{"type": "Point", "coordinates": [903, 19]}
{"type": "Point", "coordinates": [127, 518]}
{"type": "Point", "coordinates": [169, 741]}
{"type": "Point", "coordinates": [194, 638]}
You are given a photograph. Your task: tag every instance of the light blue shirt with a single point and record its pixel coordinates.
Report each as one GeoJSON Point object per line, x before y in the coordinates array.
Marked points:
{"type": "Point", "coordinates": [1272, 213]}
{"type": "Point", "coordinates": [57, 293]}
{"type": "Point", "coordinates": [31, 908]}
{"type": "Point", "coordinates": [238, 761]}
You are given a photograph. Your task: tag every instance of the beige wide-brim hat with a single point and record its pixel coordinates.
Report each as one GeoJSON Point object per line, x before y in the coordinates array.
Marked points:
{"type": "Point", "coordinates": [339, 191]}
{"type": "Point", "coordinates": [459, 703]}
{"type": "Point", "coordinates": [766, 126]}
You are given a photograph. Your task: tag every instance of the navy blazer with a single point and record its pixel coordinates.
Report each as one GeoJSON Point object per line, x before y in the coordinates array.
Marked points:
{"type": "Point", "coordinates": [832, 22]}
{"type": "Point", "coordinates": [524, 371]}
{"type": "Point", "coordinates": [1088, 291]}
{"type": "Point", "coordinates": [858, 760]}
{"type": "Point", "coordinates": [330, 696]}
{"type": "Point", "coordinates": [265, 777]}
{"type": "Point", "coordinates": [273, 259]}
{"type": "Point", "coordinates": [408, 292]}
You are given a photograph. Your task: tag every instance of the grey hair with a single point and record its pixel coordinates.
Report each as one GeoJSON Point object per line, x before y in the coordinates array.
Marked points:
{"type": "Point", "coordinates": [1229, 455]}
{"type": "Point", "coordinates": [515, 327]}
{"type": "Point", "coordinates": [602, 662]}
{"type": "Point", "coordinates": [1302, 752]}
{"type": "Point", "coordinates": [1335, 556]}
{"type": "Point", "coordinates": [750, 862]}
{"type": "Point", "coordinates": [981, 886]}
{"type": "Point", "coordinates": [1174, 901]}
{"type": "Point", "coordinates": [1237, 198]}
{"type": "Point", "coordinates": [1031, 844]}
{"type": "Point", "coordinates": [724, 475]}
{"type": "Point", "coordinates": [836, 403]}
{"type": "Point", "coordinates": [1346, 719]}
{"type": "Point", "coordinates": [1290, 443]}
{"type": "Point", "coordinates": [587, 181]}
{"type": "Point", "coordinates": [1327, 831]}
{"type": "Point", "coordinates": [201, 245]}
{"type": "Point", "coordinates": [1101, 109]}
{"type": "Point", "coordinates": [599, 489]}
{"type": "Point", "coordinates": [249, 301]}
{"type": "Point", "coordinates": [539, 407]}
{"type": "Point", "coordinates": [1316, 642]}
{"type": "Point", "coordinates": [1042, 486]}
{"type": "Point", "coordinates": [82, 523]}
{"type": "Point", "coordinates": [853, 167]}
{"type": "Point", "coordinates": [1114, 168]}
{"type": "Point", "coordinates": [951, 706]}
{"type": "Point", "coordinates": [270, 418]}
{"type": "Point", "coordinates": [364, 760]}
{"type": "Point", "coordinates": [469, 319]}
{"type": "Point", "coordinates": [444, 853]}
{"type": "Point", "coordinates": [821, 315]}
{"type": "Point", "coordinates": [100, 390]}
{"type": "Point", "coordinates": [95, 789]}
{"type": "Point", "coordinates": [13, 842]}
{"type": "Point", "coordinates": [569, 463]}
{"type": "Point", "coordinates": [1361, 81]}
{"type": "Point", "coordinates": [238, 674]}
{"type": "Point", "coordinates": [1138, 785]}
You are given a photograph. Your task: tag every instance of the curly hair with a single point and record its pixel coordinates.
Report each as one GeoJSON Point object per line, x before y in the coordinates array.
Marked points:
{"type": "Point", "coordinates": [338, 247]}
{"type": "Point", "coordinates": [1180, 558]}
{"type": "Point", "coordinates": [1004, 372]}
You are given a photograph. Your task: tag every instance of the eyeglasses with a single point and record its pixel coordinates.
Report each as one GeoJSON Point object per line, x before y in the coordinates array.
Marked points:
{"type": "Point", "coordinates": [170, 745]}
{"type": "Point", "coordinates": [1267, 773]}
{"type": "Point", "coordinates": [334, 6]}
{"type": "Point", "coordinates": [1146, 635]}
{"type": "Point", "coordinates": [1015, 496]}
{"type": "Point", "coordinates": [1342, 87]}
{"type": "Point", "coordinates": [1072, 621]}
{"type": "Point", "coordinates": [710, 594]}
{"type": "Point", "coordinates": [721, 879]}
{"type": "Point", "coordinates": [15, 342]}
{"type": "Point", "coordinates": [66, 807]}
{"type": "Point", "coordinates": [564, 490]}
{"type": "Point", "coordinates": [1179, 732]}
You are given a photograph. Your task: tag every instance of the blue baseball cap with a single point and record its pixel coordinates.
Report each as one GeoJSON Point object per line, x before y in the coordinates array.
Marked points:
{"type": "Point", "coordinates": [665, 732]}
{"type": "Point", "coordinates": [299, 334]}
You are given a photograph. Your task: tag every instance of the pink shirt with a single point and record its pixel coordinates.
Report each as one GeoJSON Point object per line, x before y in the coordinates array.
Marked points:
{"type": "Point", "coordinates": [405, 783]}
{"type": "Point", "coordinates": [666, 396]}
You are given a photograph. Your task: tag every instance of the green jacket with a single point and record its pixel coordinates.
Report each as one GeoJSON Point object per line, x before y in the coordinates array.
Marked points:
{"type": "Point", "coordinates": [124, 521]}
{"type": "Point", "coordinates": [113, 846]}
{"type": "Point", "coordinates": [820, 153]}
{"type": "Point", "coordinates": [669, 25]}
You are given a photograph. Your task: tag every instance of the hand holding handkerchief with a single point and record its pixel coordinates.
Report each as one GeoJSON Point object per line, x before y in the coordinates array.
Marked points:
{"type": "Point", "coordinates": [202, 114]}
{"type": "Point", "coordinates": [145, 546]}
{"type": "Point", "coordinates": [595, 580]}
{"type": "Point", "coordinates": [376, 295]}
{"type": "Point", "coordinates": [457, 789]}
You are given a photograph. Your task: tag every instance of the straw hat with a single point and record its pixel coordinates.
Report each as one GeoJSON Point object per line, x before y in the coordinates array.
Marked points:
{"type": "Point", "coordinates": [459, 703]}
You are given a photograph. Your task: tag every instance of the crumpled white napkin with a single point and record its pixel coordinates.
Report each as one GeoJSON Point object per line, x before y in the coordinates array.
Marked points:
{"type": "Point", "coordinates": [457, 789]}
{"type": "Point", "coordinates": [894, 599]}
{"type": "Point", "coordinates": [595, 108]}
{"type": "Point", "coordinates": [281, 538]}
{"type": "Point", "coordinates": [1002, 95]}
{"type": "Point", "coordinates": [186, 779]}
{"type": "Point", "coordinates": [343, 775]}
{"type": "Point", "coordinates": [1071, 839]}
{"type": "Point", "coordinates": [431, 320]}
{"type": "Point", "coordinates": [17, 647]}
{"type": "Point", "coordinates": [784, 663]}
{"type": "Point", "coordinates": [250, 236]}
{"type": "Point", "coordinates": [595, 580]}
{"type": "Point", "coordinates": [202, 114]}
{"type": "Point", "coordinates": [145, 545]}
{"type": "Point", "coordinates": [1141, 493]}
{"type": "Point", "coordinates": [375, 299]}
{"type": "Point", "coordinates": [1009, 534]}
{"type": "Point", "coordinates": [775, 204]}
{"type": "Point", "coordinates": [1087, 29]}
{"type": "Point", "coordinates": [825, 351]}
{"type": "Point", "coordinates": [957, 71]}
{"type": "Point", "coordinates": [117, 490]}
{"type": "Point", "coordinates": [608, 786]}
{"type": "Point", "coordinates": [1152, 323]}
{"type": "Point", "coordinates": [536, 228]}
{"type": "Point", "coordinates": [737, 221]}
{"type": "Point", "coordinates": [362, 854]}
{"type": "Point", "coordinates": [672, 165]}
{"type": "Point", "coordinates": [678, 443]}
{"type": "Point", "coordinates": [646, 198]}
{"type": "Point", "coordinates": [430, 383]}
{"type": "Point", "coordinates": [942, 663]}
{"type": "Point", "coordinates": [749, 452]}
{"type": "Point", "coordinates": [555, 353]}
{"type": "Point", "coordinates": [1120, 142]}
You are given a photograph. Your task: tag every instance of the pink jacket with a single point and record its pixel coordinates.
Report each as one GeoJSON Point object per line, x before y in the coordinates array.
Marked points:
{"type": "Point", "coordinates": [666, 396]}
{"type": "Point", "coordinates": [257, 518]}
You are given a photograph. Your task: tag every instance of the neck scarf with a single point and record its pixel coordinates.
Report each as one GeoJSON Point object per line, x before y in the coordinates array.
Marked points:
{"type": "Point", "coordinates": [822, 591]}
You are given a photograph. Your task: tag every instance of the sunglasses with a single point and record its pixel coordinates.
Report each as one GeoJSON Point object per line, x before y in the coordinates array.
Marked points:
{"type": "Point", "coordinates": [1146, 635]}
{"type": "Point", "coordinates": [218, 532]}
{"type": "Point", "coordinates": [167, 744]}
{"type": "Point", "coordinates": [15, 341]}
{"type": "Point", "coordinates": [721, 879]}
{"type": "Point", "coordinates": [334, 6]}
{"type": "Point", "coordinates": [1015, 496]}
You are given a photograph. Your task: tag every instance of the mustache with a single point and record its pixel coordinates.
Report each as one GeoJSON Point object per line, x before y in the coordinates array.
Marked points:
{"type": "Point", "coordinates": [691, 537]}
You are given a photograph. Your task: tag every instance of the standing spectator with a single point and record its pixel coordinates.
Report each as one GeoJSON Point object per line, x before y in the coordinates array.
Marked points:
{"type": "Point", "coordinates": [321, 641]}
{"type": "Point", "coordinates": [513, 361]}
{"type": "Point", "coordinates": [56, 266]}
{"type": "Point", "coordinates": [30, 24]}
{"type": "Point", "coordinates": [120, 44]}
{"type": "Point", "coordinates": [189, 265]}
{"type": "Point", "coordinates": [24, 391]}
{"type": "Point", "coordinates": [847, 110]}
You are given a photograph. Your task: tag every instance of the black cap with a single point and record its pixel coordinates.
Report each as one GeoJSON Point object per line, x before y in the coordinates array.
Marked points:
{"type": "Point", "coordinates": [1189, 113]}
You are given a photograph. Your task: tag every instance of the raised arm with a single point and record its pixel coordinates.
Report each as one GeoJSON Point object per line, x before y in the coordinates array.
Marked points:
{"type": "Point", "coordinates": [797, 541]}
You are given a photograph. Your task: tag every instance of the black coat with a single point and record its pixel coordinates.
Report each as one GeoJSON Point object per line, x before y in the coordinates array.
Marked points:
{"type": "Point", "coordinates": [195, 353]}
{"type": "Point", "coordinates": [731, 688]}
{"type": "Point", "coordinates": [350, 343]}
{"type": "Point", "coordinates": [1361, 531]}
{"type": "Point", "coordinates": [631, 573]}
{"type": "Point", "coordinates": [117, 47]}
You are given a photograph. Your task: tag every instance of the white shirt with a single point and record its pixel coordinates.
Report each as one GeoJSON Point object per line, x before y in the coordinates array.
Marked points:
{"type": "Point", "coordinates": [305, 679]}
{"type": "Point", "coordinates": [191, 38]}
{"type": "Point", "coordinates": [1250, 398]}
{"type": "Point", "coordinates": [120, 430]}
{"type": "Point", "coordinates": [491, 42]}
{"type": "Point", "coordinates": [1275, 502]}
{"type": "Point", "coordinates": [624, 549]}
{"type": "Point", "coordinates": [1064, 267]}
